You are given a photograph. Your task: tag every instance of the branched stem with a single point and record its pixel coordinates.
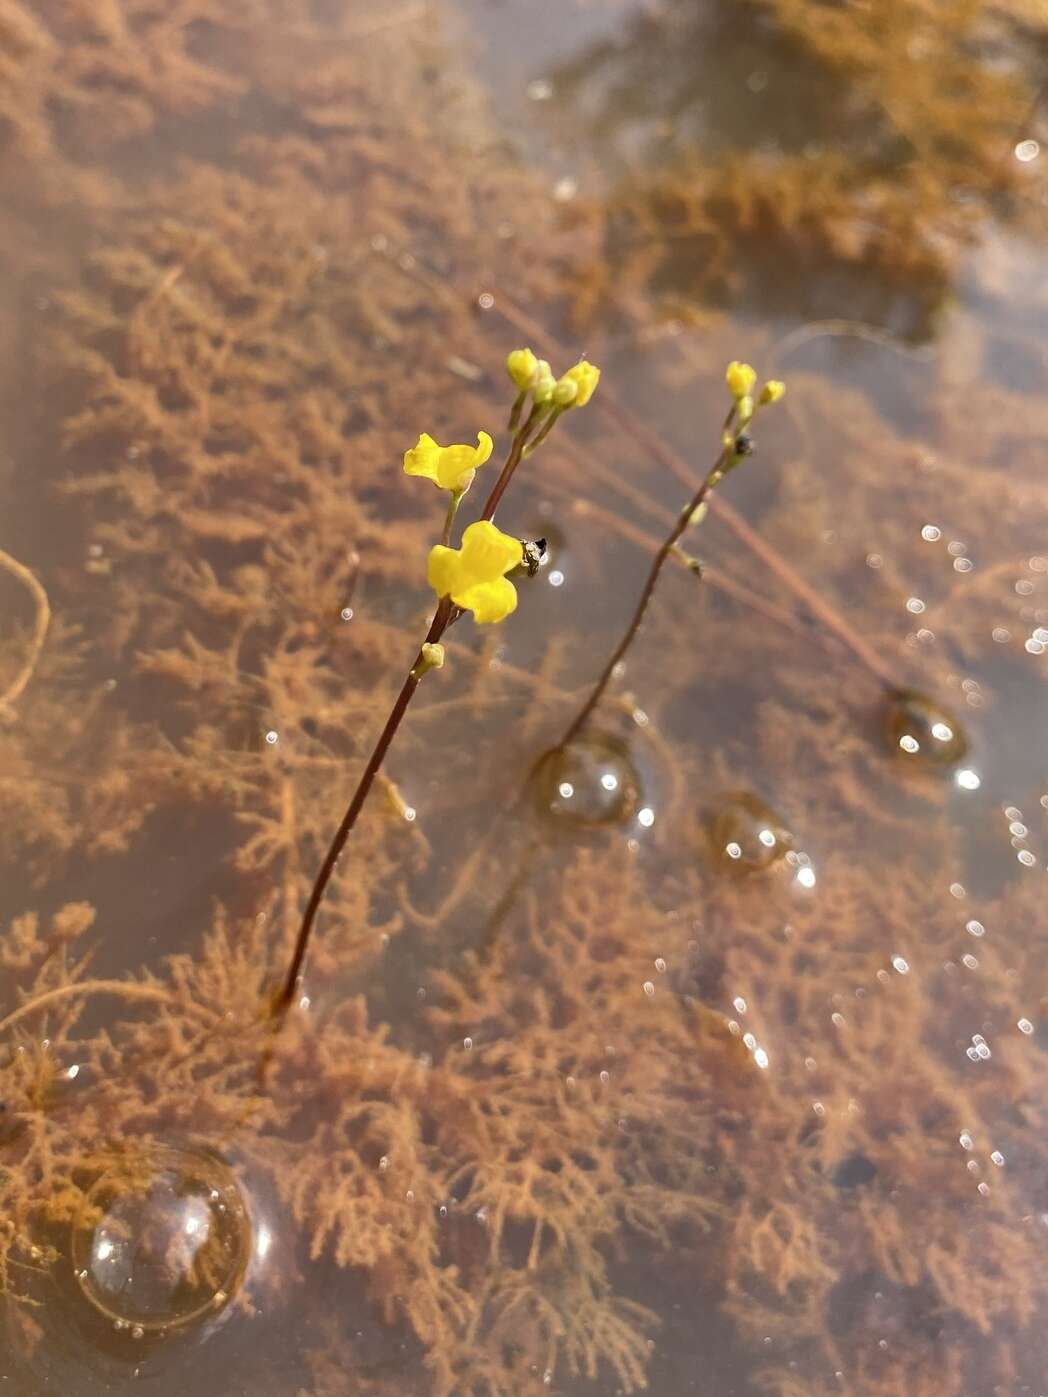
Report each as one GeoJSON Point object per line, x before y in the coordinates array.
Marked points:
{"type": "Point", "coordinates": [444, 617]}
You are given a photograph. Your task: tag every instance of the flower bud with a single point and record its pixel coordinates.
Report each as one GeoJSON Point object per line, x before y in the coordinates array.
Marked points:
{"type": "Point", "coordinates": [522, 367]}
{"type": "Point", "coordinates": [544, 384]}
{"type": "Point", "coordinates": [433, 656]}
{"type": "Point", "coordinates": [565, 392]}
{"type": "Point", "coordinates": [585, 376]}
{"type": "Point", "coordinates": [745, 407]}
{"type": "Point", "coordinates": [740, 379]}
{"type": "Point", "coordinates": [772, 392]}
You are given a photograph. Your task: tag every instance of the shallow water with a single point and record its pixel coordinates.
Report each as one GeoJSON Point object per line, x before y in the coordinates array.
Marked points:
{"type": "Point", "coordinates": [577, 1098]}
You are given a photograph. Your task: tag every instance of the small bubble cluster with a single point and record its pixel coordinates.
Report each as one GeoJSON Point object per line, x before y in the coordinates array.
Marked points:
{"type": "Point", "coordinates": [979, 1051]}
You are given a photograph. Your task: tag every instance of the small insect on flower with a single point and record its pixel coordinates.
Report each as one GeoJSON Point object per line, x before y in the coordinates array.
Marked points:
{"type": "Point", "coordinates": [449, 467]}
{"type": "Point", "coordinates": [474, 576]}
{"type": "Point", "coordinates": [533, 556]}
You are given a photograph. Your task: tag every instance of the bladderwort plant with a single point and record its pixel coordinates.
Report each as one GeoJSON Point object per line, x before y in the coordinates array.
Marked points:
{"type": "Point", "coordinates": [476, 576]}
{"type": "Point", "coordinates": [735, 445]}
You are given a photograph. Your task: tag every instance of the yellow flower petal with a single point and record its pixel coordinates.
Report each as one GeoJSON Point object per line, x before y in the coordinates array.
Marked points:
{"type": "Point", "coordinates": [485, 446]}
{"type": "Point", "coordinates": [450, 467]}
{"type": "Point", "coordinates": [488, 553]}
{"type": "Point", "coordinates": [423, 458]}
{"type": "Point", "coordinates": [489, 601]}
{"type": "Point", "coordinates": [443, 569]}
{"type": "Point", "coordinates": [473, 575]}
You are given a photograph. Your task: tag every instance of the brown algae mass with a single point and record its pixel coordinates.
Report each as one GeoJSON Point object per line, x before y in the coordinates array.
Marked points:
{"type": "Point", "coordinates": [921, 732]}
{"type": "Point", "coordinates": [161, 1240]}
{"type": "Point", "coordinates": [590, 781]}
{"type": "Point", "coordinates": [746, 835]}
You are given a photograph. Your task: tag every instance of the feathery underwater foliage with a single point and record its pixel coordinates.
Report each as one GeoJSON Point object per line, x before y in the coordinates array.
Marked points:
{"type": "Point", "coordinates": [225, 363]}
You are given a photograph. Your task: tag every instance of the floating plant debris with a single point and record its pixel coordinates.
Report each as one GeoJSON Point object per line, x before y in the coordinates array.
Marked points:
{"type": "Point", "coordinates": [746, 834]}
{"type": "Point", "coordinates": [917, 728]}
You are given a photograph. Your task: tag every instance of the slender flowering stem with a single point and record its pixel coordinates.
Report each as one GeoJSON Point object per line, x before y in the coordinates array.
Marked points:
{"type": "Point", "coordinates": [513, 460]}
{"type": "Point", "coordinates": [668, 547]}
{"type": "Point", "coordinates": [449, 518]}
{"type": "Point", "coordinates": [444, 617]}
{"type": "Point", "coordinates": [441, 620]}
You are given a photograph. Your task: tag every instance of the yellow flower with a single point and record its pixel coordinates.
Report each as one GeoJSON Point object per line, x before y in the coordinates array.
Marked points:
{"type": "Point", "coordinates": [585, 376]}
{"type": "Point", "coordinates": [772, 391]}
{"type": "Point", "coordinates": [522, 366]}
{"type": "Point", "coordinates": [450, 467]}
{"type": "Point", "coordinates": [740, 379]}
{"type": "Point", "coordinates": [474, 576]}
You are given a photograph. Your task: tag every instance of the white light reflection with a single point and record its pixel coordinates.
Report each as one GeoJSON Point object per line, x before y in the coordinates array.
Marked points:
{"type": "Point", "coordinates": [806, 877]}
{"type": "Point", "coordinates": [609, 781]}
{"type": "Point", "coordinates": [646, 817]}
{"type": "Point", "coordinates": [967, 779]}
{"type": "Point", "coordinates": [263, 1242]}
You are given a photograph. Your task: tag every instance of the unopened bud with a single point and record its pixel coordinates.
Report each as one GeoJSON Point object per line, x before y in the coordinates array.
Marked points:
{"type": "Point", "coordinates": [522, 367]}
{"type": "Point", "coordinates": [432, 657]}
{"type": "Point", "coordinates": [740, 379]}
{"type": "Point", "coordinates": [544, 385]}
{"type": "Point", "coordinates": [565, 391]}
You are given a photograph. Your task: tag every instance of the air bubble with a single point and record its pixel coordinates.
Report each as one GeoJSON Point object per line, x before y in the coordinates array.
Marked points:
{"type": "Point", "coordinates": [590, 782]}
{"type": "Point", "coordinates": [917, 727]}
{"type": "Point", "coordinates": [161, 1240]}
{"type": "Point", "coordinates": [746, 835]}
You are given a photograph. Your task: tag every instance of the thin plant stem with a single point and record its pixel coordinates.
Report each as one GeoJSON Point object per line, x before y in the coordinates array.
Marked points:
{"type": "Point", "coordinates": [513, 460]}
{"type": "Point", "coordinates": [449, 518]}
{"type": "Point", "coordinates": [43, 619]}
{"type": "Point", "coordinates": [444, 617]}
{"type": "Point", "coordinates": [666, 550]}
{"type": "Point", "coordinates": [123, 989]}
{"type": "Point", "coordinates": [441, 620]}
